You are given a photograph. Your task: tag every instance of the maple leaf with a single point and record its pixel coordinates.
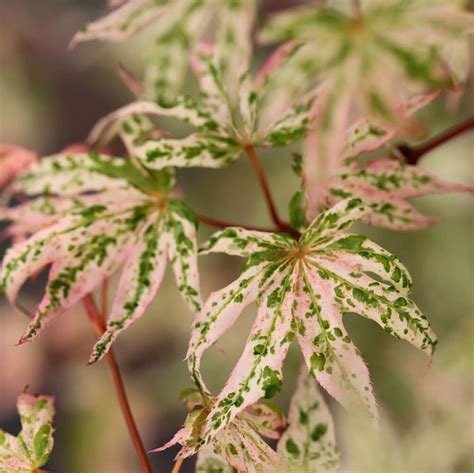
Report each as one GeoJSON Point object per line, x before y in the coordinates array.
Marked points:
{"type": "Point", "coordinates": [260, 113]}
{"type": "Point", "coordinates": [386, 185]}
{"type": "Point", "coordinates": [14, 159]}
{"type": "Point", "coordinates": [131, 219]}
{"type": "Point", "coordinates": [309, 442]}
{"type": "Point", "coordinates": [238, 446]}
{"type": "Point", "coordinates": [31, 448]}
{"type": "Point", "coordinates": [302, 289]}
{"type": "Point", "coordinates": [369, 66]}
{"type": "Point", "coordinates": [418, 42]}
{"type": "Point", "coordinates": [178, 26]}
{"type": "Point", "coordinates": [363, 136]}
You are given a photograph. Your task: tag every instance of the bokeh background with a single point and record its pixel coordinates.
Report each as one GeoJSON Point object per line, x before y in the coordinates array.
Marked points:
{"type": "Point", "coordinates": [49, 98]}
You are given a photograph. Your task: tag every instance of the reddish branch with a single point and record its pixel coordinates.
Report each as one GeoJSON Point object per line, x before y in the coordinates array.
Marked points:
{"type": "Point", "coordinates": [97, 322]}
{"type": "Point", "coordinates": [221, 224]}
{"type": "Point", "coordinates": [413, 154]}
{"type": "Point", "coordinates": [280, 224]}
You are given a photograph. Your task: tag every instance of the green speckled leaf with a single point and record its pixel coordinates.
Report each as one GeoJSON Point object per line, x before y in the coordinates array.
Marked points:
{"type": "Point", "coordinates": [31, 448]}
{"type": "Point", "coordinates": [303, 288]}
{"type": "Point", "coordinates": [386, 186]}
{"type": "Point", "coordinates": [309, 443]}
{"type": "Point", "coordinates": [68, 175]}
{"type": "Point", "coordinates": [86, 237]}
{"type": "Point", "coordinates": [238, 445]}
{"type": "Point", "coordinates": [125, 21]}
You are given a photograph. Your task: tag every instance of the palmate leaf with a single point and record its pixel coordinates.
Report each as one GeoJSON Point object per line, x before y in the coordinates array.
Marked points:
{"type": "Point", "coordinates": [225, 123]}
{"type": "Point", "coordinates": [404, 43]}
{"type": "Point", "coordinates": [31, 448]}
{"type": "Point", "coordinates": [326, 155]}
{"type": "Point", "coordinates": [407, 38]}
{"type": "Point", "coordinates": [302, 289]}
{"type": "Point", "coordinates": [209, 147]}
{"type": "Point", "coordinates": [309, 443]}
{"type": "Point", "coordinates": [386, 186]}
{"type": "Point", "coordinates": [178, 25]}
{"type": "Point", "coordinates": [238, 446]}
{"type": "Point", "coordinates": [86, 238]}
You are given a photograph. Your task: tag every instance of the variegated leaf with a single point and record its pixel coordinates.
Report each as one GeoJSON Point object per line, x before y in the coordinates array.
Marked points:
{"type": "Point", "coordinates": [219, 313]}
{"type": "Point", "coordinates": [167, 61]}
{"type": "Point", "coordinates": [386, 185]}
{"type": "Point", "coordinates": [293, 126]}
{"type": "Point", "coordinates": [408, 39]}
{"type": "Point", "coordinates": [280, 85]}
{"type": "Point", "coordinates": [241, 242]}
{"type": "Point", "coordinates": [182, 252]}
{"type": "Point", "coordinates": [31, 448]}
{"type": "Point", "coordinates": [177, 25]}
{"type": "Point", "coordinates": [210, 462]}
{"type": "Point", "coordinates": [258, 373]}
{"type": "Point", "coordinates": [356, 55]}
{"type": "Point", "coordinates": [303, 288]}
{"type": "Point", "coordinates": [234, 48]}
{"type": "Point", "coordinates": [72, 174]}
{"type": "Point", "coordinates": [196, 149]}
{"type": "Point", "coordinates": [330, 355]}
{"type": "Point", "coordinates": [141, 278]}
{"type": "Point", "coordinates": [368, 135]}
{"type": "Point", "coordinates": [323, 147]}
{"type": "Point", "coordinates": [209, 147]}
{"type": "Point", "coordinates": [309, 443]}
{"type": "Point", "coordinates": [94, 252]}
{"type": "Point", "coordinates": [185, 109]}
{"type": "Point", "coordinates": [124, 22]}
{"type": "Point", "coordinates": [88, 236]}
{"type": "Point", "coordinates": [32, 216]}
{"type": "Point", "coordinates": [266, 419]}
{"type": "Point", "coordinates": [238, 445]}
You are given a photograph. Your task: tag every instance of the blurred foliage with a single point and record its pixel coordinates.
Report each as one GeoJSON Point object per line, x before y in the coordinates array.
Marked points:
{"type": "Point", "coordinates": [51, 97]}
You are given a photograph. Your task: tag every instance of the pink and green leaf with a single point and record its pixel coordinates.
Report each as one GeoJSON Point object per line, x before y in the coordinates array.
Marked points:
{"type": "Point", "coordinates": [258, 371]}
{"type": "Point", "coordinates": [123, 22]}
{"type": "Point", "coordinates": [141, 278]}
{"type": "Point", "coordinates": [31, 448]}
{"type": "Point", "coordinates": [309, 443]}
{"type": "Point", "coordinates": [386, 185]}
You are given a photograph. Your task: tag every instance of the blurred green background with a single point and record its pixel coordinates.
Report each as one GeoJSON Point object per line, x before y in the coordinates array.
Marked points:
{"type": "Point", "coordinates": [50, 97]}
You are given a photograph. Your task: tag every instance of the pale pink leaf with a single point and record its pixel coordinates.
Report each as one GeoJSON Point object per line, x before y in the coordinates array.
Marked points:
{"type": "Point", "coordinates": [31, 448]}
{"type": "Point", "coordinates": [309, 443]}
{"type": "Point", "coordinates": [96, 253]}
{"type": "Point", "coordinates": [123, 22]}
{"type": "Point", "coordinates": [385, 186]}
{"type": "Point", "coordinates": [140, 280]}
{"type": "Point", "coordinates": [327, 348]}
{"type": "Point", "coordinates": [219, 313]}
{"type": "Point", "coordinates": [258, 371]}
